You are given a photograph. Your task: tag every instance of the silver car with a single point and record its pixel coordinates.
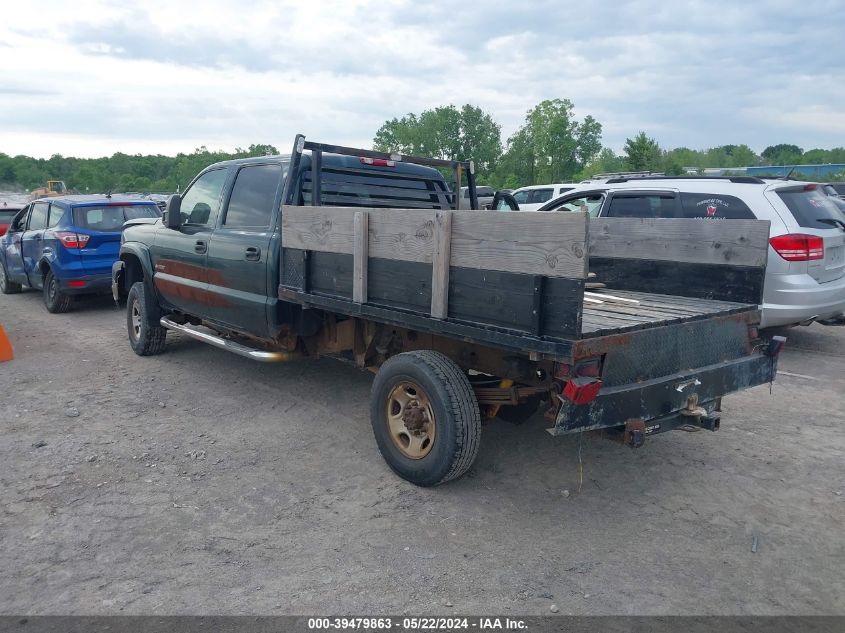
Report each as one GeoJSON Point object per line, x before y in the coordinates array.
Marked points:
{"type": "Point", "coordinates": [805, 274]}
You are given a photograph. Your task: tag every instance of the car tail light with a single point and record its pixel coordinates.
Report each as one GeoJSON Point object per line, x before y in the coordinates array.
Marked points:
{"type": "Point", "coordinates": [76, 283]}
{"type": "Point", "coordinates": [3, 229]}
{"type": "Point", "coordinates": [797, 247]}
{"type": "Point", "coordinates": [69, 239]}
{"type": "Point", "coordinates": [377, 162]}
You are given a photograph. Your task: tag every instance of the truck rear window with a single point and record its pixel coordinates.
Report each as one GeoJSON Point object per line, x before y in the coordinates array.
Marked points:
{"type": "Point", "coordinates": [365, 188]}
{"type": "Point", "coordinates": [811, 208]}
{"type": "Point", "coordinates": [111, 218]}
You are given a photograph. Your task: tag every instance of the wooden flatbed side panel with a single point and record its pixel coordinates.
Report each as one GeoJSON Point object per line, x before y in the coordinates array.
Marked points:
{"type": "Point", "coordinates": [548, 244]}
{"type": "Point", "coordinates": [732, 242]}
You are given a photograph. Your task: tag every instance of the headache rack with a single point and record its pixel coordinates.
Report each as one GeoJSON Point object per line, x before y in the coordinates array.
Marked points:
{"type": "Point", "coordinates": [350, 185]}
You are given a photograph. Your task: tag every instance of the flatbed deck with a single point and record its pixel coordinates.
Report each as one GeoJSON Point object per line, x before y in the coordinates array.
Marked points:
{"type": "Point", "coordinates": [650, 310]}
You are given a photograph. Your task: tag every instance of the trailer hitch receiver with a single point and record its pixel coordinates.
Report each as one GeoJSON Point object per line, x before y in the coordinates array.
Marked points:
{"type": "Point", "coordinates": [634, 433]}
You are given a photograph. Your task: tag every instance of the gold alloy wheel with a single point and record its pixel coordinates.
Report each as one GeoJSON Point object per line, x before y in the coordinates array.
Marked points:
{"type": "Point", "coordinates": [410, 420]}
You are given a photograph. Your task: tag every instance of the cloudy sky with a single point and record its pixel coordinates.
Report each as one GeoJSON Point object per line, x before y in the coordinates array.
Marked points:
{"type": "Point", "coordinates": [92, 77]}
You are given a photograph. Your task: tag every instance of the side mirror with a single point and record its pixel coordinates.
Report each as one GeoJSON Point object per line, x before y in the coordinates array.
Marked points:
{"type": "Point", "coordinates": [173, 212]}
{"type": "Point", "coordinates": [504, 202]}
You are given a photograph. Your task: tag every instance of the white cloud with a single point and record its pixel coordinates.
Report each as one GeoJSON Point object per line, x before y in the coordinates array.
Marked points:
{"type": "Point", "coordinates": [94, 77]}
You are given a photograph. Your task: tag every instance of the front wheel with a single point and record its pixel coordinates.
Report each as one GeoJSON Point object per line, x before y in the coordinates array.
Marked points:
{"type": "Point", "coordinates": [55, 300]}
{"type": "Point", "coordinates": [146, 337]}
{"type": "Point", "coordinates": [425, 417]}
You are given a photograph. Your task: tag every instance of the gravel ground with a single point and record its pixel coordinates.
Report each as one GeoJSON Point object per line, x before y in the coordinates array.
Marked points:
{"type": "Point", "coordinates": [201, 482]}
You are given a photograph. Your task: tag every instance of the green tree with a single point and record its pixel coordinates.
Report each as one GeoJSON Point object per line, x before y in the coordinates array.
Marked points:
{"type": "Point", "coordinates": [782, 154]}
{"type": "Point", "coordinates": [445, 132]}
{"type": "Point", "coordinates": [643, 153]}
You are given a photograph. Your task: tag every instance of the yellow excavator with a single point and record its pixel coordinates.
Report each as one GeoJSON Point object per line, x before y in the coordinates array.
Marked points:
{"type": "Point", "coordinates": [53, 188]}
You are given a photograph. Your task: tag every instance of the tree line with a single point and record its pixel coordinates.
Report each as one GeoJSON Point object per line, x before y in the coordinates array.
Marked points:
{"type": "Point", "coordinates": [551, 145]}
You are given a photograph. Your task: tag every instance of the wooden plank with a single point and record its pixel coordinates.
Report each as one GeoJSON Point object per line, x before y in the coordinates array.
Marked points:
{"type": "Point", "coordinates": [549, 244]}
{"type": "Point", "coordinates": [330, 274]}
{"type": "Point", "coordinates": [359, 257]}
{"type": "Point", "coordinates": [720, 282]}
{"type": "Point", "coordinates": [440, 265]}
{"type": "Point", "coordinates": [399, 285]}
{"type": "Point", "coordinates": [733, 242]}
{"type": "Point", "coordinates": [326, 229]}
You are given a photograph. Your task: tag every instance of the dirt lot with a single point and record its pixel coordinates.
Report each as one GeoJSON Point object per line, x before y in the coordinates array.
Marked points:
{"type": "Point", "coordinates": [201, 482]}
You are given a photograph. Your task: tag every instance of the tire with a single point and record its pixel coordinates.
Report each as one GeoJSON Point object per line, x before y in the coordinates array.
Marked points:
{"type": "Point", "coordinates": [146, 337]}
{"type": "Point", "coordinates": [55, 300]}
{"type": "Point", "coordinates": [7, 286]}
{"type": "Point", "coordinates": [431, 384]}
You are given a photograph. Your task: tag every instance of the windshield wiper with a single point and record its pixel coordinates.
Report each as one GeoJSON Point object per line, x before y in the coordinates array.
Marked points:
{"type": "Point", "coordinates": [834, 221]}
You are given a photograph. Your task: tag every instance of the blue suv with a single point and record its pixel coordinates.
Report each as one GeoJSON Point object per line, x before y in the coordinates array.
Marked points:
{"type": "Point", "coordinates": [66, 246]}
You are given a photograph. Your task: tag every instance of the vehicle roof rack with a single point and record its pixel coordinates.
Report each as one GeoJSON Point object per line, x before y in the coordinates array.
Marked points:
{"type": "Point", "coordinates": [749, 180]}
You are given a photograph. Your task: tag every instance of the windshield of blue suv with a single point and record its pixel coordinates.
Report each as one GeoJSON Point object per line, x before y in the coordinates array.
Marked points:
{"type": "Point", "coordinates": [811, 208]}
{"type": "Point", "coordinates": [111, 217]}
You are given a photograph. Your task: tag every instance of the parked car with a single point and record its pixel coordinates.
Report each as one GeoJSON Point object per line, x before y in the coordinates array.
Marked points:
{"type": "Point", "coordinates": [66, 245]}
{"type": "Point", "coordinates": [485, 196]}
{"type": "Point", "coordinates": [805, 275]}
{"type": "Point", "coordinates": [535, 196]}
{"type": "Point", "coordinates": [7, 213]}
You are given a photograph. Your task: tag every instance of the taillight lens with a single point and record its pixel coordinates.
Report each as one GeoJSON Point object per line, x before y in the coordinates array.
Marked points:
{"type": "Point", "coordinates": [3, 229]}
{"type": "Point", "coordinates": [797, 247]}
{"type": "Point", "coordinates": [377, 162]}
{"type": "Point", "coordinates": [69, 239]}
{"type": "Point", "coordinates": [588, 368]}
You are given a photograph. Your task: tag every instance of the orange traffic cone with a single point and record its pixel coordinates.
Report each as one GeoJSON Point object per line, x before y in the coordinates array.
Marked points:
{"type": "Point", "coordinates": [6, 352]}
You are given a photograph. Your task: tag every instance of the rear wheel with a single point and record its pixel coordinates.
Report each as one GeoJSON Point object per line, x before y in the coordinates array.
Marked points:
{"type": "Point", "coordinates": [56, 301]}
{"type": "Point", "coordinates": [425, 417]}
{"type": "Point", "coordinates": [7, 286]}
{"type": "Point", "coordinates": [146, 337]}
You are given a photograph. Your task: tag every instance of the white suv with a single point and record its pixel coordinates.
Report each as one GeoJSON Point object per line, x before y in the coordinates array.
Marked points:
{"type": "Point", "coordinates": [805, 273]}
{"type": "Point", "coordinates": [535, 196]}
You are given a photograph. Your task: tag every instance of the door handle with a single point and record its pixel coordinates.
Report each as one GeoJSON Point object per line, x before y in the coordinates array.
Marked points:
{"type": "Point", "coordinates": [200, 247]}
{"type": "Point", "coordinates": [252, 253]}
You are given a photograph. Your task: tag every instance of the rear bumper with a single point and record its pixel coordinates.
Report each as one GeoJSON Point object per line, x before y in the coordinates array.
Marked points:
{"type": "Point", "coordinates": [664, 397]}
{"type": "Point", "coordinates": [791, 299]}
{"type": "Point", "coordinates": [94, 284]}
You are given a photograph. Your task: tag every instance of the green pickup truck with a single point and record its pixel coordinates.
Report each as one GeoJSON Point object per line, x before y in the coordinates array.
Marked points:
{"type": "Point", "coordinates": [461, 313]}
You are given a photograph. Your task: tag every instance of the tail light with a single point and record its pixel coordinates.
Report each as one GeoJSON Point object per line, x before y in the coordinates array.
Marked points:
{"type": "Point", "coordinates": [69, 239]}
{"type": "Point", "coordinates": [588, 368]}
{"type": "Point", "coordinates": [3, 229]}
{"type": "Point", "coordinates": [797, 247]}
{"type": "Point", "coordinates": [583, 379]}
{"type": "Point", "coordinates": [377, 162]}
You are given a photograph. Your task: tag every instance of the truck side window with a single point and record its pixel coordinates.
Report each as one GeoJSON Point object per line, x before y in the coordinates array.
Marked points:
{"type": "Point", "coordinates": [202, 199]}
{"type": "Point", "coordinates": [251, 203]}
{"type": "Point", "coordinates": [38, 216]}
